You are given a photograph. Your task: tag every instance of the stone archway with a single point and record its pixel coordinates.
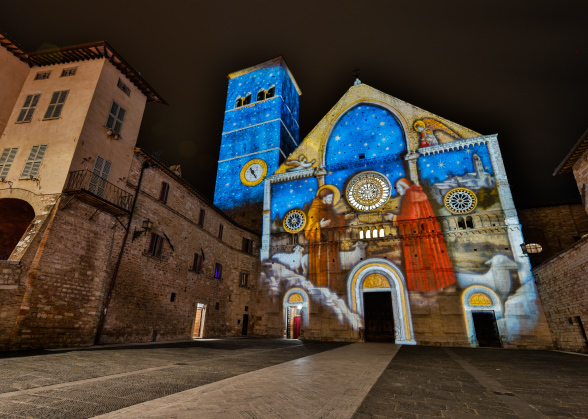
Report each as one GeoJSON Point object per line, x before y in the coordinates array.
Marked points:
{"type": "Point", "coordinates": [390, 279]}
{"type": "Point", "coordinates": [16, 218]}
{"type": "Point", "coordinates": [479, 298]}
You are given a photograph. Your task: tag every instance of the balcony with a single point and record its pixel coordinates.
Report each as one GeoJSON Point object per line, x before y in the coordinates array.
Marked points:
{"type": "Point", "coordinates": [96, 191]}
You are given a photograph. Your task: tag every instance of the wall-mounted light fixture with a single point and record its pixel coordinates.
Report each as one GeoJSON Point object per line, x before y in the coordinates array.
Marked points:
{"type": "Point", "coordinates": [146, 226]}
{"type": "Point", "coordinates": [531, 248]}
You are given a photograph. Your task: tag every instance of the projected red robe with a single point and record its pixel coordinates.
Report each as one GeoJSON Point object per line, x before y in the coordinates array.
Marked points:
{"type": "Point", "coordinates": [426, 260]}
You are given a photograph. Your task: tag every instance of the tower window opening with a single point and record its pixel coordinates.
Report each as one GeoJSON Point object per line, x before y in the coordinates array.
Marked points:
{"type": "Point", "coordinates": [469, 222]}
{"type": "Point", "coordinates": [238, 102]}
{"type": "Point", "coordinates": [362, 155]}
{"type": "Point", "coordinates": [261, 95]}
{"type": "Point", "coordinates": [360, 234]}
{"type": "Point", "coordinates": [247, 99]}
{"type": "Point", "coordinates": [368, 234]}
{"type": "Point", "coordinates": [270, 92]}
{"type": "Point", "coordinates": [382, 232]}
{"type": "Point", "coordinates": [461, 223]}
{"type": "Point", "coordinates": [375, 234]}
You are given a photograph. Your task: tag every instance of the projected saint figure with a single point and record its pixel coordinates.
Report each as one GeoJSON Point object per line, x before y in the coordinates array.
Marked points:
{"type": "Point", "coordinates": [426, 260]}
{"type": "Point", "coordinates": [324, 268]}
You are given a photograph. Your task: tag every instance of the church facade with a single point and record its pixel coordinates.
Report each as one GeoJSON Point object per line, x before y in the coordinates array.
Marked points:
{"type": "Point", "coordinates": [386, 223]}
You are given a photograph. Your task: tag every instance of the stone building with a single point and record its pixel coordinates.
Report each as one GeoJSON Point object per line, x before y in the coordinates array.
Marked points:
{"type": "Point", "coordinates": [100, 242]}
{"type": "Point", "coordinates": [355, 243]}
{"type": "Point", "coordinates": [561, 280]}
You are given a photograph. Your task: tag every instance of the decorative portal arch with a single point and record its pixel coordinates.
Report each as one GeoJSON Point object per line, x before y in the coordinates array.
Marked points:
{"type": "Point", "coordinates": [480, 298]}
{"type": "Point", "coordinates": [17, 215]}
{"type": "Point", "coordinates": [377, 275]}
{"type": "Point", "coordinates": [297, 297]}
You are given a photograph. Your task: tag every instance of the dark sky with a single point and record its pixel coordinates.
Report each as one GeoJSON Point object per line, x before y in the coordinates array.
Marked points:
{"type": "Point", "coordinates": [516, 68]}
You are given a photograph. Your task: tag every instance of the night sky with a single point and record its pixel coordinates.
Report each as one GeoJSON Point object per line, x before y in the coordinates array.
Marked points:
{"type": "Point", "coordinates": [516, 68]}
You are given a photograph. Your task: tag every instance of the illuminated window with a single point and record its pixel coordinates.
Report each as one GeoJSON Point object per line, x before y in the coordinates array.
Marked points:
{"type": "Point", "coordinates": [382, 234]}
{"type": "Point", "coordinates": [243, 279]}
{"type": "Point", "coordinates": [375, 234]}
{"type": "Point", "coordinates": [218, 270]}
{"type": "Point", "coordinates": [56, 104]}
{"type": "Point", "coordinates": [30, 103]}
{"type": "Point", "coordinates": [368, 234]}
{"type": "Point", "coordinates": [360, 234]}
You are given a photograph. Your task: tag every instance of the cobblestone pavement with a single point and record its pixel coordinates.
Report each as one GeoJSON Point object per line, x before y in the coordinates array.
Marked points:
{"type": "Point", "coordinates": [418, 382]}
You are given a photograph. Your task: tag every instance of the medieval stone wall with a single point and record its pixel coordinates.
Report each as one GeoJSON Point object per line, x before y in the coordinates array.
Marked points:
{"type": "Point", "coordinates": [564, 292]}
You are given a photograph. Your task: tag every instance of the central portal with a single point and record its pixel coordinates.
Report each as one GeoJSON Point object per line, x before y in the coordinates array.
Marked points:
{"type": "Point", "coordinates": [378, 316]}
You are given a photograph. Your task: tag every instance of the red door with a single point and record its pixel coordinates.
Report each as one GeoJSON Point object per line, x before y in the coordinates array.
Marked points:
{"type": "Point", "coordinates": [296, 327]}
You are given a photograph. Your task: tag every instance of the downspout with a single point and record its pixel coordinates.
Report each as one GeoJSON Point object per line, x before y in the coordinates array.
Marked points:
{"type": "Point", "coordinates": [112, 281]}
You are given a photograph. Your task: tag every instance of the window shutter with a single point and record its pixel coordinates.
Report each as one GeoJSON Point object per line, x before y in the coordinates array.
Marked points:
{"type": "Point", "coordinates": [6, 160]}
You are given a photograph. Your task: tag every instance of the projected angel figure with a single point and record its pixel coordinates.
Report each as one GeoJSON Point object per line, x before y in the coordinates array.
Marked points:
{"type": "Point", "coordinates": [427, 128]}
{"type": "Point", "coordinates": [299, 164]}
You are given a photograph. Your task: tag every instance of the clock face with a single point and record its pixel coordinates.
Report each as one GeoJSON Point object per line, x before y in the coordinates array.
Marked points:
{"type": "Point", "coordinates": [368, 191]}
{"type": "Point", "coordinates": [253, 172]}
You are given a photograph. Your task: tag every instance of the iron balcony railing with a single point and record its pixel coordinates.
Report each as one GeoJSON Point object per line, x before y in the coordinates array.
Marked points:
{"type": "Point", "coordinates": [89, 182]}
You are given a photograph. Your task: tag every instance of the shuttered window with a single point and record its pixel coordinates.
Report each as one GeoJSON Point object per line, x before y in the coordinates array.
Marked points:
{"type": "Point", "coordinates": [116, 117]}
{"type": "Point", "coordinates": [220, 231]}
{"type": "Point", "coordinates": [34, 161]}
{"type": "Point", "coordinates": [30, 103]}
{"type": "Point", "coordinates": [163, 192]}
{"type": "Point", "coordinates": [56, 104]}
{"type": "Point", "coordinates": [99, 177]}
{"type": "Point", "coordinates": [6, 159]}
{"type": "Point", "coordinates": [156, 245]}
{"type": "Point", "coordinates": [197, 263]}
{"type": "Point", "coordinates": [247, 245]}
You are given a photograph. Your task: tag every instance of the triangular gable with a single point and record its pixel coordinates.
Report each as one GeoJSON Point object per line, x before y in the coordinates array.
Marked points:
{"type": "Point", "coordinates": [312, 148]}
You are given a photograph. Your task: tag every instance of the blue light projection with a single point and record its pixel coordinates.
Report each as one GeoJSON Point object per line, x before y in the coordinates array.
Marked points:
{"type": "Point", "coordinates": [290, 195]}
{"type": "Point", "coordinates": [437, 168]}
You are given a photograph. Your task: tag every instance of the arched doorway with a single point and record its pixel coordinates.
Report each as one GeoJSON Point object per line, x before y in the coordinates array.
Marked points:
{"type": "Point", "coordinates": [482, 308]}
{"type": "Point", "coordinates": [295, 312]}
{"type": "Point", "coordinates": [376, 275]}
{"type": "Point", "coordinates": [16, 217]}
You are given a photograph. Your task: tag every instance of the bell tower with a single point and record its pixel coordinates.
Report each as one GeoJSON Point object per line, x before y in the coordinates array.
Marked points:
{"type": "Point", "coordinates": [260, 130]}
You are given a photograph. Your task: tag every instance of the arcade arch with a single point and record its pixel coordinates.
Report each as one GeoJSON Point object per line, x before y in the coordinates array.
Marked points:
{"type": "Point", "coordinates": [17, 215]}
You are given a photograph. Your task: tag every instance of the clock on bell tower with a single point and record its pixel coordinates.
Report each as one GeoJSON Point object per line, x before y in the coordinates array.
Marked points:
{"type": "Point", "coordinates": [260, 130]}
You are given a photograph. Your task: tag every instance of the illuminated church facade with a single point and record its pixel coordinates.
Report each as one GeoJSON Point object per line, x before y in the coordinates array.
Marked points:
{"type": "Point", "coordinates": [386, 223]}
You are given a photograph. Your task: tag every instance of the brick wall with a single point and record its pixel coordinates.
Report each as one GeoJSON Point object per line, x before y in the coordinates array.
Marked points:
{"type": "Point", "coordinates": [563, 289]}
{"type": "Point", "coordinates": [580, 170]}
{"type": "Point", "coordinates": [554, 227]}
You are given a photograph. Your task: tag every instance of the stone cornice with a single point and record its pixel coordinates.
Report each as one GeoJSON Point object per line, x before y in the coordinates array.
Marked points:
{"type": "Point", "coordinates": [456, 145]}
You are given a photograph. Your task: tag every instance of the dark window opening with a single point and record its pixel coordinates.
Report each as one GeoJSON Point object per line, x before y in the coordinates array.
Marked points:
{"type": "Point", "coordinates": [469, 222]}
{"type": "Point", "coordinates": [173, 297]}
{"type": "Point", "coordinates": [197, 263]}
{"type": "Point", "coordinates": [270, 92]}
{"type": "Point", "coordinates": [247, 99]}
{"type": "Point", "coordinates": [68, 72]}
{"type": "Point", "coordinates": [123, 87]}
{"type": "Point", "coordinates": [220, 231]}
{"type": "Point", "coordinates": [238, 102]}
{"type": "Point", "coordinates": [201, 218]}
{"type": "Point", "coordinates": [261, 95]}
{"type": "Point", "coordinates": [246, 308]}
{"type": "Point", "coordinates": [217, 306]}
{"type": "Point", "coordinates": [461, 223]}
{"type": "Point", "coordinates": [362, 155]}
{"type": "Point", "coordinates": [156, 245]}
{"type": "Point", "coordinates": [116, 116]}
{"type": "Point", "coordinates": [163, 192]}
{"type": "Point", "coordinates": [247, 245]}
{"type": "Point", "coordinates": [42, 75]}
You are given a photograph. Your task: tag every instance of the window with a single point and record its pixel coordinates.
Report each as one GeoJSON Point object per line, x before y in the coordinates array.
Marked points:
{"type": "Point", "coordinates": [247, 245]}
{"type": "Point", "coordinates": [261, 95]}
{"type": "Point", "coordinates": [42, 75]}
{"type": "Point", "coordinates": [197, 263]}
{"type": "Point", "coordinates": [99, 177]}
{"type": "Point", "coordinates": [6, 159]}
{"type": "Point", "coordinates": [30, 103]}
{"type": "Point", "coordinates": [123, 87]}
{"type": "Point", "coordinates": [68, 72]}
{"type": "Point", "coordinates": [362, 155]}
{"type": "Point", "coordinates": [218, 270]}
{"type": "Point", "coordinates": [201, 218]}
{"type": "Point", "coordinates": [173, 297]}
{"type": "Point", "coordinates": [469, 222]}
{"type": "Point", "coordinates": [382, 233]}
{"type": "Point", "coordinates": [461, 223]}
{"type": "Point", "coordinates": [271, 92]}
{"type": "Point", "coordinates": [360, 234]}
{"type": "Point", "coordinates": [243, 279]}
{"type": "Point", "coordinates": [33, 163]}
{"type": "Point", "coordinates": [116, 117]}
{"type": "Point", "coordinates": [163, 192]}
{"type": "Point", "coordinates": [220, 231]}
{"type": "Point", "coordinates": [238, 102]}
{"type": "Point", "coordinates": [156, 245]}
{"type": "Point", "coordinates": [247, 99]}
{"type": "Point", "coordinates": [56, 104]}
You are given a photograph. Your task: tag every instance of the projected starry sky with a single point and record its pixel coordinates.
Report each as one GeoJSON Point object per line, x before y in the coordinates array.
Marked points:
{"type": "Point", "coordinates": [513, 68]}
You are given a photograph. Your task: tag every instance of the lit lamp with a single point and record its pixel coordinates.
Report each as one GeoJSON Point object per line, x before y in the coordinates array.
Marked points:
{"type": "Point", "coordinates": [531, 248]}
{"type": "Point", "coordinates": [146, 226]}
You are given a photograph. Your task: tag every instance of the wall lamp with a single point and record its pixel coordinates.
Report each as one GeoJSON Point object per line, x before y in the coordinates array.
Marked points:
{"type": "Point", "coordinates": [146, 226]}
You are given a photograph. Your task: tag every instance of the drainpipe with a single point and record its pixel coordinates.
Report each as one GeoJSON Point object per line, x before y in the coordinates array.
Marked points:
{"type": "Point", "coordinates": [582, 329]}
{"type": "Point", "coordinates": [112, 281]}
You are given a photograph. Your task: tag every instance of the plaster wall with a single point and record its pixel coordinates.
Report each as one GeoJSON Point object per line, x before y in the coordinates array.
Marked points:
{"type": "Point", "coordinates": [13, 73]}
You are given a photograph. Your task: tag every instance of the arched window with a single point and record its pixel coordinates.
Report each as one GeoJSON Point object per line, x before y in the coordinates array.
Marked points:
{"type": "Point", "coordinates": [382, 234]}
{"type": "Point", "coordinates": [360, 234]}
{"type": "Point", "coordinates": [461, 223]}
{"type": "Point", "coordinates": [247, 99]}
{"type": "Point", "coordinates": [261, 95]}
{"type": "Point", "coordinates": [368, 234]}
{"type": "Point", "coordinates": [469, 222]}
{"type": "Point", "coordinates": [270, 92]}
{"type": "Point", "coordinates": [375, 234]}
{"type": "Point", "coordinates": [238, 102]}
